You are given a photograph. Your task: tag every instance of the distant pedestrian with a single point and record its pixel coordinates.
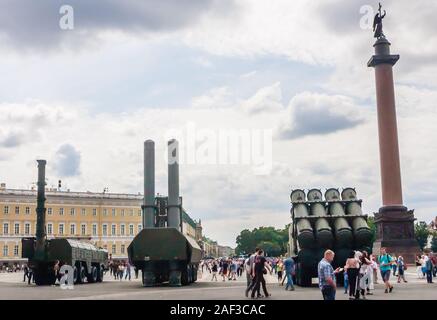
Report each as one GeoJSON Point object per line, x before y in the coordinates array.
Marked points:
{"type": "Point", "coordinates": [429, 268]}
{"type": "Point", "coordinates": [214, 271]}
{"type": "Point", "coordinates": [401, 269]}
{"type": "Point", "coordinates": [279, 267]}
{"type": "Point", "coordinates": [375, 270]}
{"type": "Point", "coordinates": [326, 274]}
{"type": "Point", "coordinates": [30, 276]}
{"type": "Point", "coordinates": [289, 269]}
{"type": "Point", "coordinates": [26, 272]}
{"type": "Point", "coordinates": [127, 271]}
{"type": "Point", "coordinates": [419, 266]}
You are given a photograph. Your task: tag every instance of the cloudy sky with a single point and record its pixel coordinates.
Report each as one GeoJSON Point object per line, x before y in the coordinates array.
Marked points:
{"type": "Point", "coordinates": [85, 99]}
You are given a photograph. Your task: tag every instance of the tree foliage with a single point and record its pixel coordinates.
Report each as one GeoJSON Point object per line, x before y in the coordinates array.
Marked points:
{"type": "Point", "coordinates": [372, 226]}
{"type": "Point", "coordinates": [272, 241]}
{"type": "Point", "coordinates": [421, 232]}
{"type": "Point", "coordinates": [434, 243]}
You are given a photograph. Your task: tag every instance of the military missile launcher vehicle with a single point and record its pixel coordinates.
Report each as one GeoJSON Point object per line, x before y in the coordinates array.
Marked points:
{"type": "Point", "coordinates": [335, 222]}
{"type": "Point", "coordinates": [88, 261]}
{"type": "Point", "coordinates": [161, 250]}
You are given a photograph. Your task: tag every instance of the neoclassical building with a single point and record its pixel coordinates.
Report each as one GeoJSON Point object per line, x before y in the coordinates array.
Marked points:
{"type": "Point", "coordinates": [108, 220]}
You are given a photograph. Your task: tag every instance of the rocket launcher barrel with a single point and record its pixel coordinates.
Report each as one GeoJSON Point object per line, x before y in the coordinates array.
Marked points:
{"type": "Point", "coordinates": [362, 232]}
{"type": "Point", "coordinates": [343, 233]}
{"type": "Point", "coordinates": [324, 235]}
{"type": "Point", "coordinates": [305, 234]}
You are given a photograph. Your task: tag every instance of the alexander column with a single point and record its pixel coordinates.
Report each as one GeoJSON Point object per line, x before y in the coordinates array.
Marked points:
{"type": "Point", "coordinates": [394, 222]}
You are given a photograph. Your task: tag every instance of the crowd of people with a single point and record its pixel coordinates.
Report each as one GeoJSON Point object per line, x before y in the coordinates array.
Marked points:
{"type": "Point", "coordinates": [121, 269]}
{"type": "Point", "coordinates": [360, 272]}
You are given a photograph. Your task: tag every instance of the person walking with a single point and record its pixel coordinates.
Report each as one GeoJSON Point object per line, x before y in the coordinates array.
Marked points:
{"type": "Point", "coordinates": [259, 269]}
{"type": "Point", "coordinates": [375, 271]}
{"type": "Point", "coordinates": [429, 267]}
{"type": "Point", "coordinates": [401, 269]}
{"type": "Point", "coordinates": [394, 265]}
{"type": "Point", "coordinates": [326, 275]}
{"type": "Point", "coordinates": [249, 271]}
{"type": "Point", "coordinates": [26, 272]}
{"type": "Point", "coordinates": [365, 273]}
{"type": "Point", "coordinates": [30, 276]}
{"type": "Point", "coordinates": [385, 262]}
{"type": "Point", "coordinates": [127, 271]}
{"type": "Point", "coordinates": [214, 271]}
{"type": "Point", "coordinates": [288, 267]}
{"type": "Point", "coordinates": [352, 268]}
{"type": "Point", "coordinates": [419, 266]}
{"type": "Point", "coordinates": [279, 268]}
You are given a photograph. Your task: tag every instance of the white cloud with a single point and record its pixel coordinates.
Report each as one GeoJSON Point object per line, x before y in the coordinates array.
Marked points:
{"type": "Point", "coordinates": [318, 114]}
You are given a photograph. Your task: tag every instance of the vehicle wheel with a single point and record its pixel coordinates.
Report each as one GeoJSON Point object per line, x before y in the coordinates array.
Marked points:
{"type": "Point", "coordinates": [100, 273]}
{"type": "Point", "coordinates": [184, 277]}
{"type": "Point", "coordinates": [93, 276]}
{"type": "Point", "coordinates": [76, 275]}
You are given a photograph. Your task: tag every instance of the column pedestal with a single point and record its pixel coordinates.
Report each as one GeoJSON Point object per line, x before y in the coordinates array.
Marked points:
{"type": "Point", "coordinates": [395, 231]}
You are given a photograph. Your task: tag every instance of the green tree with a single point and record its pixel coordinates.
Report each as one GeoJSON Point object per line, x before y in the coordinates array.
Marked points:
{"type": "Point", "coordinates": [273, 241]}
{"type": "Point", "coordinates": [434, 243]}
{"type": "Point", "coordinates": [421, 232]}
{"type": "Point", "coordinates": [372, 226]}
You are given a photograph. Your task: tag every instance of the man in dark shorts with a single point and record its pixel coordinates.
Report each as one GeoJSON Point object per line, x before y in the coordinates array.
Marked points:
{"type": "Point", "coordinates": [385, 262]}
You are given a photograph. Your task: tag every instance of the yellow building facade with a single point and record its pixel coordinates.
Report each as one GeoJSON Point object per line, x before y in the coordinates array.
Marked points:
{"type": "Point", "coordinates": [107, 220]}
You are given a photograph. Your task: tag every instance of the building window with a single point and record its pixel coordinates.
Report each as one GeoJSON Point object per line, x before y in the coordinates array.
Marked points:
{"type": "Point", "coordinates": [17, 228]}
{"type": "Point", "coordinates": [113, 229]}
{"type": "Point", "coordinates": [131, 229]}
{"type": "Point", "coordinates": [72, 229]}
{"type": "Point", "coordinates": [105, 212]}
{"type": "Point", "coordinates": [122, 229]}
{"type": "Point", "coordinates": [105, 230]}
{"type": "Point", "coordinates": [5, 250]}
{"type": "Point", "coordinates": [5, 228]}
{"type": "Point", "coordinates": [6, 210]}
{"type": "Point", "coordinates": [61, 229]}
{"type": "Point", "coordinates": [122, 249]}
{"type": "Point", "coordinates": [27, 229]}
{"type": "Point", "coordinates": [50, 228]}
{"type": "Point", "coordinates": [16, 250]}
{"type": "Point", "coordinates": [83, 211]}
{"type": "Point", "coordinates": [94, 212]}
{"type": "Point", "coordinates": [61, 211]}
{"type": "Point", "coordinates": [49, 211]}
{"type": "Point", "coordinates": [114, 249]}
{"type": "Point", "coordinates": [17, 210]}
{"type": "Point", "coordinates": [139, 212]}
{"type": "Point", "coordinates": [72, 211]}
{"type": "Point", "coordinates": [131, 212]}
{"type": "Point", "coordinates": [113, 212]}
{"type": "Point", "coordinates": [83, 229]}
{"type": "Point", "coordinates": [27, 210]}
{"type": "Point", "coordinates": [140, 226]}
{"type": "Point", "coordinates": [94, 229]}
{"type": "Point", "coordinates": [122, 212]}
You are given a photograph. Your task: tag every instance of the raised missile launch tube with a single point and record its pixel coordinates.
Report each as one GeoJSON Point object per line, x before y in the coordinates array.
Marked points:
{"type": "Point", "coordinates": [41, 211]}
{"type": "Point", "coordinates": [332, 194]}
{"type": "Point", "coordinates": [149, 184]}
{"type": "Point", "coordinates": [314, 195]}
{"type": "Point", "coordinates": [362, 232]}
{"type": "Point", "coordinates": [297, 195]}
{"type": "Point", "coordinates": [354, 208]}
{"type": "Point", "coordinates": [324, 235]}
{"type": "Point", "coordinates": [348, 194]}
{"type": "Point", "coordinates": [305, 234]}
{"type": "Point", "coordinates": [336, 209]}
{"type": "Point", "coordinates": [317, 209]}
{"type": "Point", "coordinates": [174, 208]}
{"type": "Point", "coordinates": [343, 233]}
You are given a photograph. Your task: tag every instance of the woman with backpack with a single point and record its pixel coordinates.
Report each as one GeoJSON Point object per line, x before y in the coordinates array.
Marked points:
{"type": "Point", "coordinates": [352, 268]}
